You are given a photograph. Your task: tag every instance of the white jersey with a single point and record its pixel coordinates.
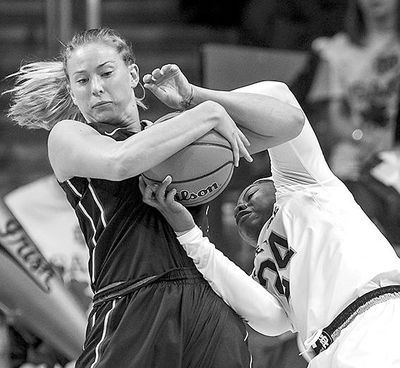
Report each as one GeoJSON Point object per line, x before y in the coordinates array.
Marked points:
{"type": "Point", "coordinates": [319, 251]}
{"type": "Point", "coordinates": [316, 254]}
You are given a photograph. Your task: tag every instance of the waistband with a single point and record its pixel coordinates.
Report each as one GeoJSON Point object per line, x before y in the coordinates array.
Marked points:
{"type": "Point", "coordinates": [122, 288]}
{"type": "Point", "coordinates": [330, 333]}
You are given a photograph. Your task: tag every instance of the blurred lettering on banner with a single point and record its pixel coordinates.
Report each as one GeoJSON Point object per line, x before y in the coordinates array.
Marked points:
{"type": "Point", "coordinates": [45, 214]}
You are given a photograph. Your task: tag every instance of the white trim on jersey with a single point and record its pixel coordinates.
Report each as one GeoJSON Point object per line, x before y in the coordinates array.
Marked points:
{"type": "Point", "coordinates": [113, 132]}
{"type": "Point", "coordinates": [72, 187]}
{"type": "Point", "coordinates": [97, 201]}
{"type": "Point", "coordinates": [94, 319]}
{"type": "Point", "coordinates": [93, 239]}
{"type": "Point", "coordinates": [104, 334]}
{"type": "Point", "coordinates": [83, 209]}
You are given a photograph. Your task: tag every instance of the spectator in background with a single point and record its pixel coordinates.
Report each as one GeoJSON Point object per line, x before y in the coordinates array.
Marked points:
{"type": "Point", "coordinates": [290, 24]}
{"type": "Point", "coordinates": [356, 88]}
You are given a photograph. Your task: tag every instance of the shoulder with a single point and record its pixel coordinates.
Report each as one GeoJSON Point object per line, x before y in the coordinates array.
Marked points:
{"type": "Point", "coordinates": [265, 87]}
{"type": "Point", "coordinates": [65, 135]}
{"type": "Point", "coordinates": [300, 206]}
{"type": "Point", "coordinates": [66, 126]}
{"type": "Point", "coordinates": [65, 129]}
{"type": "Point", "coordinates": [275, 89]}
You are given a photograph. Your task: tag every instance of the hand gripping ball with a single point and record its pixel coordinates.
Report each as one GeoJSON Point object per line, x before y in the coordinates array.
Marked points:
{"type": "Point", "coordinates": [200, 171]}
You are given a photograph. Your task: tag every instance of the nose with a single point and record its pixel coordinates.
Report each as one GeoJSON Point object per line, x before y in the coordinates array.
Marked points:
{"type": "Point", "coordinates": [97, 86]}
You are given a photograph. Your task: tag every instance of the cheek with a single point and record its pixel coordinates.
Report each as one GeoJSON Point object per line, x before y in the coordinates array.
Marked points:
{"type": "Point", "coordinates": [80, 95]}
{"type": "Point", "coordinates": [122, 90]}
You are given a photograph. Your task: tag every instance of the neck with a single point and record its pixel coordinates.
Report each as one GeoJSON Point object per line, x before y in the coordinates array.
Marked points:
{"type": "Point", "coordinates": [131, 124]}
{"type": "Point", "coordinates": [130, 120]}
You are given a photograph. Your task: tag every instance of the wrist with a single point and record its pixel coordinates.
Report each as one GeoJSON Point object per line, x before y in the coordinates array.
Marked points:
{"type": "Point", "coordinates": [189, 235]}
{"type": "Point", "coordinates": [182, 223]}
{"type": "Point", "coordinates": [181, 233]}
{"type": "Point", "coordinates": [187, 101]}
{"type": "Point", "coordinates": [184, 230]}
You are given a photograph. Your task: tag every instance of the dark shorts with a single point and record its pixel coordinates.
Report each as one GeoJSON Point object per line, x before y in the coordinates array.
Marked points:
{"type": "Point", "coordinates": [176, 321]}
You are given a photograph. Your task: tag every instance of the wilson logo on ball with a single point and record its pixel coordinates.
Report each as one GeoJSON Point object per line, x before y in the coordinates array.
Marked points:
{"type": "Point", "coordinates": [185, 195]}
{"type": "Point", "coordinates": [200, 171]}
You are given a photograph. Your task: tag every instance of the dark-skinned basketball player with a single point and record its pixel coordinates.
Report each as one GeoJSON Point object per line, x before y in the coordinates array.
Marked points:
{"type": "Point", "coordinates": [321, 267]}
{"type": "Point", "coordinates": [152, 308]}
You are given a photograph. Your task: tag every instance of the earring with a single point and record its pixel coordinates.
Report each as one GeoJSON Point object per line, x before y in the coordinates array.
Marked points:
{"type": "Point", "coordinates": [143, 92]}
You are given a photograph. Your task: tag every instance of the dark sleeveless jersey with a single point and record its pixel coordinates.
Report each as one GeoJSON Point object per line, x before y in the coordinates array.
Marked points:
{"type": "Point", "coordinates": [127, 239]}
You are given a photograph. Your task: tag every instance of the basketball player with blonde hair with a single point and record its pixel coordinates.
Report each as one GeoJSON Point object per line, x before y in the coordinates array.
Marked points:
{"type": "Point", "coordinates": [151, 307]}
{"type": "Point", "coordinates": [323, 269]}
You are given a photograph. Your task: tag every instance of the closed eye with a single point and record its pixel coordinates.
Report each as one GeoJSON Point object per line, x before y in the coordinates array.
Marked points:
{"type": "Point", "coordinates": [250, 194]}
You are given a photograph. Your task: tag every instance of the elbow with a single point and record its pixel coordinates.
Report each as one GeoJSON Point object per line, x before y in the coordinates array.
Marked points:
{"type": "Point", "coordinates": [269, 326]}
{"type": "Point", "coordinates": [210, 112]}
{"type": "Point", "coordinates": [297, 122]}
{"type": "Point", "coordinates": [117, 170]}
{"type": "Point", "coordinates": [121, 171]}
{"type": "Point", "coordinates": [295, 115]}
{"type": "Point", "coordinates": [270, 331]}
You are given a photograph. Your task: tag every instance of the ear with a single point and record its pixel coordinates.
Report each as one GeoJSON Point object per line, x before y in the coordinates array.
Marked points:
{"type": "Point", "coordinates": [134, 74]}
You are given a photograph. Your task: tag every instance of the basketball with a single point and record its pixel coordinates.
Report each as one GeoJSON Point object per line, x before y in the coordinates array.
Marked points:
{"type": "Point", "coordinates": [200, 172]}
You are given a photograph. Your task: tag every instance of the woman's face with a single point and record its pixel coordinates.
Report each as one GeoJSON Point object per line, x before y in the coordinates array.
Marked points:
{"type": "Point", "coordinates": [101, 84]}
{"type": "Point", "coordinates": [377, 9]}
{"type": "Point", "coordinates": [254, 208]}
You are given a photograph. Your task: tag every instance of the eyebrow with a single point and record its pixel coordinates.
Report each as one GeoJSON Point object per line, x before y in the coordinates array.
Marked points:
{"type": "Point", "coordinates": [244, 192]}
{"type": "Point", "coordinates": [106, 62]}
{"type": "Point", "coordinates": [98, 67]}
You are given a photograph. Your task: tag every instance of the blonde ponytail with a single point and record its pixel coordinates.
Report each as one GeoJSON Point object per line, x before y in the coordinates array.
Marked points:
{"type": "Point", "coordinates": [40, 96]}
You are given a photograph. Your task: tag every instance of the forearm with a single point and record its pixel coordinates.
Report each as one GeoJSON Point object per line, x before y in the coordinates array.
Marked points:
{"type": "Point", "coordinates": [264, 108]}
{"type": "Point", "coordinates": [249, 299]}
{"type": "Point", "coordinates": [158, 142]}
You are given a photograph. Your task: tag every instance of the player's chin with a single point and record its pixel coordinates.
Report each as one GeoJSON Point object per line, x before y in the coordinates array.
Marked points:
{"type": "Point", "coordinates": [249, 234]}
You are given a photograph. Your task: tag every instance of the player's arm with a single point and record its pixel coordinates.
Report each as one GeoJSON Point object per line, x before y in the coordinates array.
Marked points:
{"type": "Point", "coordinates": [76, 149]}
{"type": "Point", "coordinates": [271, 118]}
{"type": "Point", "coordinates": [250, 300]}
{"type": "Point", "coordinates": [261, 310]}
{"type": "Point", "coordinates": [261, 110]}
{"type": "Point", "coordinates": [299, 160]}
